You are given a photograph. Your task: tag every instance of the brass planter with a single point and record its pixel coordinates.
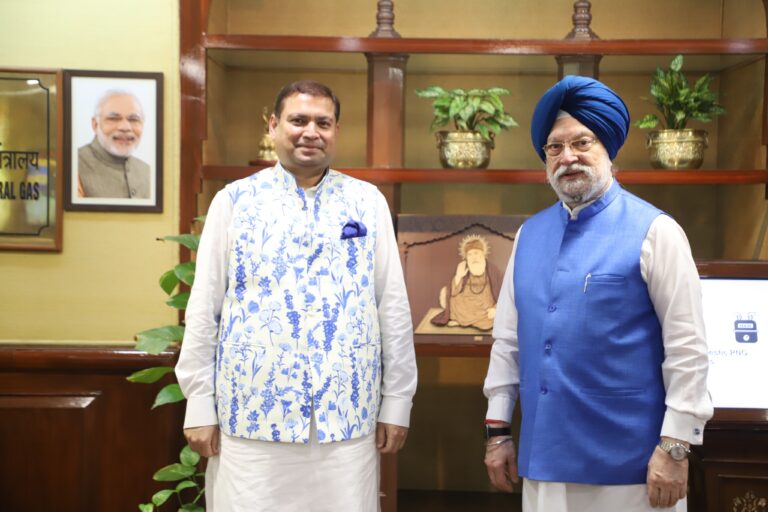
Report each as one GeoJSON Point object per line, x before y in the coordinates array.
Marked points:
{"type": "Point", "coordinates": [462, 150]}
{"type": "Point", "coordinates": [677, 149]}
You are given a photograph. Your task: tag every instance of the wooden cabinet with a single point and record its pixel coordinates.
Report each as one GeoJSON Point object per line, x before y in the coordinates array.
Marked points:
{"type": "Point", "coordinates": [76, 436]}
{"type": "Point", "coordinates": [235, 55]}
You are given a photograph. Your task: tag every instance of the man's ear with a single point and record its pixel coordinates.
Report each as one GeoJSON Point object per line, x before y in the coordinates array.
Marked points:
{"type": "Point", "coordinates": [272, 124]}
{"type": "Point", "coordinates": [94, 123]}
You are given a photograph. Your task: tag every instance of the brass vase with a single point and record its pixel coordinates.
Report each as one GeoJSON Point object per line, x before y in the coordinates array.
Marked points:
{"type": "Point", "coordinates": [462, 150]}
{"type": "Point", "coordinates": [677, 149]}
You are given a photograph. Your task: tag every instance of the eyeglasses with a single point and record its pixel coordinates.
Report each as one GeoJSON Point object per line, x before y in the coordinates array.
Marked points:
{"type": "Point", "coordinates": [581, 145]}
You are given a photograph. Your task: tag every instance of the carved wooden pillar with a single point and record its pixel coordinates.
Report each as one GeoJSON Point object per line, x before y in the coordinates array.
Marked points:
{"type": "Point", "coordinates": [386, 104]}
{"type": "Point", "coordinates": [193, 24]}
{"type": "Point", "coordinates": [386, 113]}
{"type": "Point", "coordinates": [583, 65]}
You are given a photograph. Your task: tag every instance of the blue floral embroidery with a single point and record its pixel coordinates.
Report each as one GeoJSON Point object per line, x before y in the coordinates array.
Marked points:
{"type": "Point", "coordinates": [297, 315]}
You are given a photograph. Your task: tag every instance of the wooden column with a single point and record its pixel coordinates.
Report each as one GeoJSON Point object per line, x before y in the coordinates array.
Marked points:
{"type": "Point", "coordinates": [582, 65]}
{"type": "Point", "coordinates": [386, 112]}
{"type": "Point", "coordinates": [193, 19]}
{"type": "Point", "coordinates": [385, 141]}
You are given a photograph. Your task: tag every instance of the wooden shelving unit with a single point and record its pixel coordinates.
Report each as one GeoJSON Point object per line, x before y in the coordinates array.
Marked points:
{"type": "Point", "coordinates": [385, 166]}
{"type": "Point", "coordinates": [516, 176]}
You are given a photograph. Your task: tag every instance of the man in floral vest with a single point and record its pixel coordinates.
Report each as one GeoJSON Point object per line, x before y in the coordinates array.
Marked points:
{"type": "Point", "coordinates": [297, 362]}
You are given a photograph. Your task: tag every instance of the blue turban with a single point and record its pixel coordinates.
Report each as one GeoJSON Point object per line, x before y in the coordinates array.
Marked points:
{"type": "Point", "coordinates": [592, 103]}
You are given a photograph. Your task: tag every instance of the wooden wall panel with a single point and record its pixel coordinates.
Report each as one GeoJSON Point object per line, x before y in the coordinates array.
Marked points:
{"type": "Point", "coordinates": [75, 435]}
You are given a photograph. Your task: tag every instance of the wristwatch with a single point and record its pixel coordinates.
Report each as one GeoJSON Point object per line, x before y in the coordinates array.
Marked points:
{"type": "Point", "coordinates": [493, 431]}
{"type": "Point", "coordinates": [678, 451]}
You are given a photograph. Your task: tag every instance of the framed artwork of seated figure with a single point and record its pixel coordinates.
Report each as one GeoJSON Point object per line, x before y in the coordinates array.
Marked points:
{"type": "Point", "coordinates": [454, 266]}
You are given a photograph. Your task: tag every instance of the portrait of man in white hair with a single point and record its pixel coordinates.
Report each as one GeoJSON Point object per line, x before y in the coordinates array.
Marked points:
{"type": "Point", "coordinates": [469, 299]}
{"type": "Point", "coordinates": [106, 165]}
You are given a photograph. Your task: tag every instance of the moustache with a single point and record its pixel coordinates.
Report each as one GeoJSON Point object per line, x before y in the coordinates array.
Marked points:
{"type": "Point", "coordinates": [563, 169]}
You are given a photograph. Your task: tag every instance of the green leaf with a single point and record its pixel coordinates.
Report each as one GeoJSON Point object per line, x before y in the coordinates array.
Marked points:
{"type": "Point", "coordinates": [192, 507]}
{"type": "Point", "coordinates": [487, 106]}
{"type": "Point", "coordinates": [200, 218]}
{"type": "Point", "coordinates": [169, 281]}
{"type": "Point", "coordinates": [146, 507]}
{"type": "Point", "coordinates": [185, 272]}
{"type": "Point", "coordinates": [152, 345]}
{"type": "Point", "coordinates": [676, 64]}
{"type": "Point", "coordinates": [188, 240]}
{"type": "Point", "coordinates": [185, 484]}
{"type": "Point", "coordinates": [189, 457]}
{"type": "Point", "coordinates": [170, 394]}
{"type": "Point", "coordinates": [484, 131]}
{"type": "Point", "coordinates": [497, 91]}
{"type": "Point", "coordinates": [648, 121]}
{"type": "Point", "coordinates": [457, 104]}
{"type": "Point", "coordinates": [179, 301]}
{"type": "Point", "coordinates": [173, 473]}
{"type": "Point", "coordinates": [458, 92]}
{"type": "Point", "coordinates": [506, 121]}
{"type": "Point", "coordinates": [161, 497]}
{"type": "Point", "coordinates": [150, 375]}
{"type": "Point", "coordinates": [156, 340]}
{"type": "Point", "coordinates": [169, 333]}
{"type": "Point", "coordinates": [431, 92]}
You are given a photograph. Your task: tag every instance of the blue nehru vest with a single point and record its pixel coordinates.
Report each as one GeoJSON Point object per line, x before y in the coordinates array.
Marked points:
{"type": "Point", "coordinates": [591, 387]}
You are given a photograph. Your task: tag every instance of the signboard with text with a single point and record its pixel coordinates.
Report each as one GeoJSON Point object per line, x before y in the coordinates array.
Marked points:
{"type": "Point", "coordinates": [30, 191]}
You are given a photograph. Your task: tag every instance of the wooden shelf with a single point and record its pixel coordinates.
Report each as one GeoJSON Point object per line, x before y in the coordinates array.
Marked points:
{"type": "Point", "coordinates": [486, 46]}
{"type": "Point", "coordinates": [517, 176]}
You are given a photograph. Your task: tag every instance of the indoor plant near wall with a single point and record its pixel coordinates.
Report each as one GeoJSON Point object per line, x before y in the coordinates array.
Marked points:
{"type": "Point", "coordinates": [184, 477]}
{"type": "Point", "coordinates": [678, 147]}
{"type": "Point", "coordinates": [478, 115]}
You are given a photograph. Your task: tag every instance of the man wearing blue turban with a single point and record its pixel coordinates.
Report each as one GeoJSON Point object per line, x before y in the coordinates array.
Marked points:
{"type": "Point", "coordinates": [599, 330]}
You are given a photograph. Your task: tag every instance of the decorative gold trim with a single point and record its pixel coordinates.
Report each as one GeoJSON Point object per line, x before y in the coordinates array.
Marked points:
{"type": "Point", "coordinates": [749, 503]}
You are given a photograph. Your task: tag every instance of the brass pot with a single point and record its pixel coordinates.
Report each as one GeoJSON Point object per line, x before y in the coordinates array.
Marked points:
{"type": "Point", "coordinates": [677, 149]}
{"type": "Point", "coordinates": [461, 150]}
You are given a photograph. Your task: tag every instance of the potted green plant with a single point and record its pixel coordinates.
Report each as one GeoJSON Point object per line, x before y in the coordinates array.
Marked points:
{"type": "Point", "coordinates": [185, 477]}
{"type": "Point", "coordinates": [676, 146]}
{"type": "Point", "coordinates": [478, 115]}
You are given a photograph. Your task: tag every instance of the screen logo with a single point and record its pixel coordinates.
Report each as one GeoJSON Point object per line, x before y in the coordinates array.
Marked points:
{"type": "Point", "coordinates": [745, 330]}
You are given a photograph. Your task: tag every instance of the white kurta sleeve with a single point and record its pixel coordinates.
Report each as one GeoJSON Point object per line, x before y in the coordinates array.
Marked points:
{"type": "Point", "coordinates": [675, 290]}
{"type": "Point", "coordinates": [398, 357]}
{"type": "Point", "coordinates": [503, 380]}
{"type": "Point", "coordinates": [195, 368]}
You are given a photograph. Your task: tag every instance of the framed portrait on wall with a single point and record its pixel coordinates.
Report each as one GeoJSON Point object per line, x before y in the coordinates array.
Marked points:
{"type": "Point", "coordinates": [453, 266]}
{"type": "Point", "coordinates": [113, 151]}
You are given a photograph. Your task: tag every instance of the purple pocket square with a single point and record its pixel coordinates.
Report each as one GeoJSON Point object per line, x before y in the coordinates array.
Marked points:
{"type": "Point", "coordinates": [353, 229]}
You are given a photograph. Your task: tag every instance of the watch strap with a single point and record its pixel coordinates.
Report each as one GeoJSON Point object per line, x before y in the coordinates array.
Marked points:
{"type": "Point", "coordinates": [668, 446]}
{"type": "Point", "coordinates": [492, 431]}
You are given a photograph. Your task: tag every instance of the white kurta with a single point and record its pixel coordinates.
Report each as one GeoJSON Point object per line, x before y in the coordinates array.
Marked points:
{"type": "Point", "coordinates": [674, 288]}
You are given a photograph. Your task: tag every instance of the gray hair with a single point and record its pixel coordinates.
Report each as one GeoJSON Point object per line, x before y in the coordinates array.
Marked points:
{"type": "Point", "coordinates": [111, 94]}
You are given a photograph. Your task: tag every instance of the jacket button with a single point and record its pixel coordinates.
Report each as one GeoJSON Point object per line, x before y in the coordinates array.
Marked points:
{"type": "Point", "coordinates": [544, 391]}
{"type": "Point", "coordinates": [548, 347]}
{"type": "Point", "coordinates": [552, 308]}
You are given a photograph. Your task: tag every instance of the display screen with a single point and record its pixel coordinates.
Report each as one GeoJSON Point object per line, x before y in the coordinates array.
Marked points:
{"type": "Point", "coordinates": [736, 320]}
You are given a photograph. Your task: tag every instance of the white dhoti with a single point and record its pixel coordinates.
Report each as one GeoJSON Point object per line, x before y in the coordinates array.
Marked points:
{"type": "Point", "coordinates": [565, 497]}
{"type": "Point", "coordinates": [253, 476]}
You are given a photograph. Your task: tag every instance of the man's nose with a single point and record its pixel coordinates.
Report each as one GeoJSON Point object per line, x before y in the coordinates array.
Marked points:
{"type": "Point", "coordinates": [569, 155]}
{"type": "Point", "coordinates": [124, 125]}
{"type": "Point", "coordinates": [311, 130]}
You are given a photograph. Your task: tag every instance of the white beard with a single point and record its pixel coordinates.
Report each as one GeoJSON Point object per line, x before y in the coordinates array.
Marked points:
{"type": "Point", "coordinates": [583, 190]}
{"type": "Point", "coordinates": [113, 148]}
{"type": "Point", "coordinates": [476, 269]}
